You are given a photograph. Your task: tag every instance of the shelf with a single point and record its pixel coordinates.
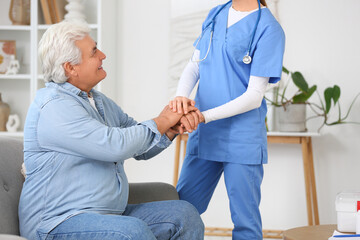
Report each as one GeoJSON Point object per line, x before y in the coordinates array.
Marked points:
{"type": "Point", "coordinates": [16, 76]}
{"type": "Point", "coordinates": [46, 26]}
{"type": "Point", "coordinates": [11, 134]}
{"type": "Point", "coordinates": [19, 90]}
{"type": "Point", "coordinates": [15, 27]}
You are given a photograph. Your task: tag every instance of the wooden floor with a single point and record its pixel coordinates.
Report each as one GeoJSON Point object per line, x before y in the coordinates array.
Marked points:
{"type": "Point", "coordinates": [225, 233]}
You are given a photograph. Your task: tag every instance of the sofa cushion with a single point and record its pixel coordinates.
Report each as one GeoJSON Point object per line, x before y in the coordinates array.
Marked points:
{"type": "Point", "coordinates": [11, 181]}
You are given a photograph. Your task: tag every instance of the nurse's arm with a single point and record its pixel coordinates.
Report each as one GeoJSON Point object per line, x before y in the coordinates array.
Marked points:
{"type": "Point", "coordinates": [249, 100]}
{"type": "Point", "coordinates": [187, 82]}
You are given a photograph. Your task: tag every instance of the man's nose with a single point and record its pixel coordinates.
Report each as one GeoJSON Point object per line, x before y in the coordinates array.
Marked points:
{"type": "Point", "coordinates": [102, 55]}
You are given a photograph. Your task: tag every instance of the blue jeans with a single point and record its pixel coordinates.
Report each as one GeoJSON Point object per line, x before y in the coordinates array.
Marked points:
{"type": "Point", "coordinates": [162, 220]}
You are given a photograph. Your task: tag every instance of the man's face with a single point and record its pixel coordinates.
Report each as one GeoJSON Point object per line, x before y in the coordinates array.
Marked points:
{"type": "Point", "coordinates": [89, 71]}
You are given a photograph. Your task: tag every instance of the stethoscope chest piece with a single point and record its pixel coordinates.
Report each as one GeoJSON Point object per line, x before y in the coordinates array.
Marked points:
{"type": "Point", "coordinates": [247, 59]}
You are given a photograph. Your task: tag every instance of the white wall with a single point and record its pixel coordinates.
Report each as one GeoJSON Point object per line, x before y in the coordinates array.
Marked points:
{"type": "Point", "coordinates": [322, 42]}
{"type": "Point", "coordinates": [110, 44]}
{"type": "Point", "coordinates": [143, 36]}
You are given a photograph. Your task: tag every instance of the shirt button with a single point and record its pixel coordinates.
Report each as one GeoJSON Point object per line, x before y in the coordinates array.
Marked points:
{"type": "Point", "coordinates": [6, 187]}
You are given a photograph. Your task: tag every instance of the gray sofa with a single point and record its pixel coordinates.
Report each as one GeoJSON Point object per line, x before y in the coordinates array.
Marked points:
{"type": "Point", "coordinates": [11, 180]}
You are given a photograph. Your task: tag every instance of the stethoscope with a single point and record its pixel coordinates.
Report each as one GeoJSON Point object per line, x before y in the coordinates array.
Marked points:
{"type": "Point", "coordinates": [246, 58]}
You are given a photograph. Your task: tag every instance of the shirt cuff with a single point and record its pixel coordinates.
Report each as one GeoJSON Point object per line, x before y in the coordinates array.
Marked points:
{"type": "Point", "coordinates": [164, 141]}
{"type": "Point", "coordinates": [207, 116]}
{"type": "Point", "coordinates": [151, 125]}
{"type": "Point", "coordinates": [160, 141]}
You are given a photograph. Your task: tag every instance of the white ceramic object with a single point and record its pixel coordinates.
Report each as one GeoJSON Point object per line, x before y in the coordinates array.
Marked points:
{"type": "Point", "coordinates": [13, 123]}
{"type": "Point", "coordinates": [13, 67]}
{"type": "Point", "coordinates": [74, 10]}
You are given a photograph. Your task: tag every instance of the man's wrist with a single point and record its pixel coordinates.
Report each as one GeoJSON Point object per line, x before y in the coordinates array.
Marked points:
{"type": "Point", "coordinates": [170, 135]}
{"type": "Point", "coordinates": [161, 124]}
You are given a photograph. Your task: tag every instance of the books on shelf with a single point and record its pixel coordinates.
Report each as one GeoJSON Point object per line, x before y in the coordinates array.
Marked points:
{"type": "Point", "coordinates": [46, 11]}
{"type": "Point", "coordinates": [59, 9]}
{"type": "Point", "coordinates": [53, 10]}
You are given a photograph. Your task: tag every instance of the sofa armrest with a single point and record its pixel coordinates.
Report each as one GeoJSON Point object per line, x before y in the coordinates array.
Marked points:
{"type": "Point", "coordinates": [10, 237]}
{"type": "Point", "coordinates": [150, 192]}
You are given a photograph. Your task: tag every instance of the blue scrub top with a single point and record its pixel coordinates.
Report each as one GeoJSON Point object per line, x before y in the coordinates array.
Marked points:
{"type": "Point", "coordinates": [224, 77]}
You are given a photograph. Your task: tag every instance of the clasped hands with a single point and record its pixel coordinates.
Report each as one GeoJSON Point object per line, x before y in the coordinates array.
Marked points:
{"type": "Point", "coordinates": [191, 116]}
{"type": "Point", "coordinates": [179, 116]}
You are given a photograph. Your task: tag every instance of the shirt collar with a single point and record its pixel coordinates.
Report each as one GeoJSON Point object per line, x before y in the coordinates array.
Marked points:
{"type": "Point", "coordinates": [71, 88]}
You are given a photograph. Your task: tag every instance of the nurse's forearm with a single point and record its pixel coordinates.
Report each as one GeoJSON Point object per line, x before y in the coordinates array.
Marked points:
{"type": "Point", "coordinates": [189, 77]}
{"type": "Point", "coordinates": [249, 100]}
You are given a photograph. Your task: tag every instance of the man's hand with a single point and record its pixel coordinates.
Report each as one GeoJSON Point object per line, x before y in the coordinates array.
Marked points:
{"type": "Point", "coordinates": [178, 122]}
{"type": "Point", "coordinates": [166, 119]}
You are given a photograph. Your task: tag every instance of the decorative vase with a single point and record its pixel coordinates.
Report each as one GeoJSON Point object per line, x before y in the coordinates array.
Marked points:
{"type": "Point", "coordinates": [13, 67]}
{"type": "Point", "coordinates": [13, 123]}
{"type": "Point", "coordinates": [4, 114]}
{"type": "Point", "coordinates": [74, 10]}
{"type": "Point", "coordinates": [291, 118]}
{"type": "Point", "coordinates": [19, 12]}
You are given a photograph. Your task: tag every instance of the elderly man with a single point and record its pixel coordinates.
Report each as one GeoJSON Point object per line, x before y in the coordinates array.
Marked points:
{"type": "Point", "coordinates": [75, 143]}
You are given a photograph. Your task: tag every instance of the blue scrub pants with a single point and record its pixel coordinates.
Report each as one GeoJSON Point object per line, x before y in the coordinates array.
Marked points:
{"type": "Point", "coordinates": [199, 178]}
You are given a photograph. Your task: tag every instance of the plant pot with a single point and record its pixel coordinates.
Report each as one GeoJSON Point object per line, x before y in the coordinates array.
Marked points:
{"type": "Point", "coordinates": [291, 118]}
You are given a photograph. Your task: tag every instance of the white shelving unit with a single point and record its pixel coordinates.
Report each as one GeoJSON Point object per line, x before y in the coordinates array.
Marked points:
{"type": "Point", "coordinates": [19, 90]}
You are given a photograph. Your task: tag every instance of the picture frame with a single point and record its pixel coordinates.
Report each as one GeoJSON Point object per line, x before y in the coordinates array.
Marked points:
{"type": "Point", "coordinates": [7, 52]}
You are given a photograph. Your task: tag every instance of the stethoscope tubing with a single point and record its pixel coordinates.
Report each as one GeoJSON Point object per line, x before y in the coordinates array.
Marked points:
{"type": "Point", "coordinates": [254, 30]}
{"type": "Point", "coordinates": [247, 58]}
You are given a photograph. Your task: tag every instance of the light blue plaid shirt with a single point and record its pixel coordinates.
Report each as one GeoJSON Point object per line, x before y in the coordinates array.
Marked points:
{"type": "Point", "coordinates": [74, 156]}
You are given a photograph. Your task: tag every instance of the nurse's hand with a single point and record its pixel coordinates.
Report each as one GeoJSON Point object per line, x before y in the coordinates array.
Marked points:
{"type": "Point", "coordinates": [189, 122]}
{"type": "Point", "coordinates": [181, 104]}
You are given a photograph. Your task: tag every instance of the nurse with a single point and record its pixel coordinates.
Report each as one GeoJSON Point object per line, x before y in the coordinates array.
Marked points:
{"type": "Point", "coordinates": [239, 52]}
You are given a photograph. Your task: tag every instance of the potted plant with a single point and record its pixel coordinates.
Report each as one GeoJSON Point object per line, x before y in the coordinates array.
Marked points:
{"type": "Point", "coordinates": [290, 112]}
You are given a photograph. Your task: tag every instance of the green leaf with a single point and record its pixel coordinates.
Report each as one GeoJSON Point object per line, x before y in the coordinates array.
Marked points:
{"type": "Point", "coordinates": [300, 98]}
{"type": "Point", "coordinates": [303, 97]}
{"type": "Point", "coordinates": [311, 91]}
{"type": "Point", "coordinates": [300, 82]}
{"type": "Point", "coordinates": [336, 93]}
{"type": "Point", "coordinates": [285, 70]}
{"type": "Point", "coordinates": [328, 94]}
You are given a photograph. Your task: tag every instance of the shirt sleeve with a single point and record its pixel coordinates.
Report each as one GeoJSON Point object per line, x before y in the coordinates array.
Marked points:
{"type": "Point", "coordinates": [156, 149]}
{"type": "Point", "coordinates": [122, 119]}
{"type": "Point", "coordinates": [189, 77]}
{"type": "Point", "coordinates": [79, 134]}
{"type": "Point", "coordinates": [249, 100]}
{"type": "Point", "coordinates": [268, 55]}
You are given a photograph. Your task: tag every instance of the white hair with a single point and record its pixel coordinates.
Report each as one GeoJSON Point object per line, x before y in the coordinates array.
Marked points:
{"type": "Point", "coordinates": [57, 46]}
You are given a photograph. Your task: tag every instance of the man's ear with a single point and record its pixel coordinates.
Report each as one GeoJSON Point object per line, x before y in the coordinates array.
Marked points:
{"type": "Point", "coordinates": [69, 70]}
